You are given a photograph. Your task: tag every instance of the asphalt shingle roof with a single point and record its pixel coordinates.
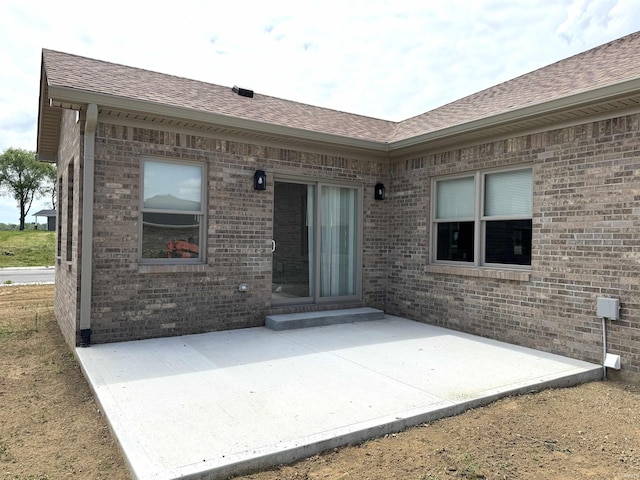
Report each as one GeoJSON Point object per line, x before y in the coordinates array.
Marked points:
{"type": "Point", "coordinates": [97, 76]}
{"type": "Point", "coordinates": [608, 64]}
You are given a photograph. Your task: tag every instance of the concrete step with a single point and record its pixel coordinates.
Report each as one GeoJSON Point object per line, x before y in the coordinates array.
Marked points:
{"type": "Point", "coordinates": [290, 321]}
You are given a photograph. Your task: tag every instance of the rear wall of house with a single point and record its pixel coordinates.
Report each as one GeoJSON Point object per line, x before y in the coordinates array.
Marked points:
{"type": "Point", "coordinates": [586, 244]}
{"type": "Point", "coordinates": [134, 301]}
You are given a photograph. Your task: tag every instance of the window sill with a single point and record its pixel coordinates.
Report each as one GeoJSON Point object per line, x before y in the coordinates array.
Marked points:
{"type": "Point", "coordinates": [173, 268]}
{"type": "Point", "coordinates": [498, 274]}
{"type": "Point", "coordinates": [66, 263]}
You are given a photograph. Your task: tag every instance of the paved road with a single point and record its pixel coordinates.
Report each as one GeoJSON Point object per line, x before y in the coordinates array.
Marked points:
{"type": "Point", "coordinates": [27, 275]}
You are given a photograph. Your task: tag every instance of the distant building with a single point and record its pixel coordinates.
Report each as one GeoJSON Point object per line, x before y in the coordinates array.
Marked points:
{"type": "Point", "coordinates": [51, 219]}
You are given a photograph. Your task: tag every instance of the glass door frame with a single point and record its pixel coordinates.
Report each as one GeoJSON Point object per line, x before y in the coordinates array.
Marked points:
{"type": "Point", "coordinates": [315, 297]}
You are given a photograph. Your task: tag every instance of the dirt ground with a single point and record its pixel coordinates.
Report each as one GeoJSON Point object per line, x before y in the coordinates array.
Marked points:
{"type": "Point", "coordinates": [50, 427]}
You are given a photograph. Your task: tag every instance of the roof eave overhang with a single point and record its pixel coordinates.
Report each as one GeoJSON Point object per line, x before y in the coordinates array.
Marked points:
{"type": "Point", "coordinates": [74, 98]}
{"type": "Point", "coordinates": [518, 116]}
{"type": "Point", "coordinates": [48, 125]}
{"type": "Point", "coordinates": [77, 99]}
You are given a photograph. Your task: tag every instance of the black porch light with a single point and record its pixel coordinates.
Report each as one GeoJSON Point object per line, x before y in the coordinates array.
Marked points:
{"type": "Point", "coordinates": [260, 180]}
{"type": "Point", "coordinates": [379, 192]}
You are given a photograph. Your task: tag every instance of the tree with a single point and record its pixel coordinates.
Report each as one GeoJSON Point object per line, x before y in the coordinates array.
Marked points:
{"type": "Point", "coordinates": [23, 177]}
{"type": "Point", "coordinates": [51, 183]}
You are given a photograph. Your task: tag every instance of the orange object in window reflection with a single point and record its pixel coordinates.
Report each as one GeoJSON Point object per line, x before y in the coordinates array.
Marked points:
{"type": "Point", "coordinates": [182, 249]}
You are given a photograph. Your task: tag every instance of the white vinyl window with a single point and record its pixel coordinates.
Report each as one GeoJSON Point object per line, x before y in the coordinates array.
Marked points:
{"type": "Point", "coordinates": [483, 218]}
{"type": "Point", "coordinates": [172, 212]}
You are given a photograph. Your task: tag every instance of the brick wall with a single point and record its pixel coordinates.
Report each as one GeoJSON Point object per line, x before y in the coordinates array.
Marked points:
{"type": "Point", "coordinates": [586, 225]}
{"type": "Point", "coordinates": [68, 221]}
{"type": "Point", "coordinates": [585, 239]}
{"type": "Point", "coordinates": [140, 301]}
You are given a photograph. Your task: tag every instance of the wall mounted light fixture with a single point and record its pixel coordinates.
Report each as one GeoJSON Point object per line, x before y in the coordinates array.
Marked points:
{"type": "Point", "coordinates": [260, 180]}
{"type": "Point", "coordinates": [379, 193]}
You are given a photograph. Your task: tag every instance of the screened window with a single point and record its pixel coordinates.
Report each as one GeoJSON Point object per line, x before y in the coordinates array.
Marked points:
{"type": "Point", "coordinates": [172, 212]}
{"type": "Point", "coordinates": [484, 218]}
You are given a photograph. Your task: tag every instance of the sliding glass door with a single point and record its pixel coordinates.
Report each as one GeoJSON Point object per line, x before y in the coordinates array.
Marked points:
{"type": "Point", "coordinates": [316, 242]}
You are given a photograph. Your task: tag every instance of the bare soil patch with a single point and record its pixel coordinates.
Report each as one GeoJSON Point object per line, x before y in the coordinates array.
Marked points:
{"type": "Point", "coordinates": [51, 428]}
{"type": "Point", "coordinates": [587, 432]}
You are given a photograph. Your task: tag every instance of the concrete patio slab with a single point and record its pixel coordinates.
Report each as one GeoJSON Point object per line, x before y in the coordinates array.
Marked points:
{"type": "Point", "coordinates": [213, 405]}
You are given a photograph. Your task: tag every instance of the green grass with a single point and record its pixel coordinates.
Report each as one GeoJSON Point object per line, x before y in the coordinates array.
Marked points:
{"type": "Point", "coordinates": [27, 248]}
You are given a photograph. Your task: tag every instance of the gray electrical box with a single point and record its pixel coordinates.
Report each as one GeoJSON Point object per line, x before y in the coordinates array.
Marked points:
{"type": "Point", "coordinates": [608, 308]}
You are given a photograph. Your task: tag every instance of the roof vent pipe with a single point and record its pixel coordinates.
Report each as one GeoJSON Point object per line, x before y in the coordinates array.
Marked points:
{"type": "Point", "coordinates": [243, 92]}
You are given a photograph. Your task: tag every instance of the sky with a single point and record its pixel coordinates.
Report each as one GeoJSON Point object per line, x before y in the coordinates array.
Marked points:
{"type": "Point", "coordinates": [390, 59]}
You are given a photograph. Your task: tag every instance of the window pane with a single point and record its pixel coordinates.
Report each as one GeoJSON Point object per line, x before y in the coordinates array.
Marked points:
{"type": "Point", "coordinates": [455, 198]}
{"type": "Point", "coordinates": [70, 186]}
{"type": "Point", "coordinates": [170, 186]}
{"type": "Point", "coordinates": [167, 235]}
{"type": "Point", "coordinates": [455, 241]}
{"type": "Point", "coordinates": [508, 242]}
{"type": "Point", "coordinates": [293, 272]}
{"type": "Point", "coordinates": [508, 193]}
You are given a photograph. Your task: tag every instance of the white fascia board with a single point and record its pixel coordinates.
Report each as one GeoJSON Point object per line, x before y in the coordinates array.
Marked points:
{"type": "Point", "coordinates": [74, 96]}
{"type": "Point", "coordinates": [577, 100]}
{"type": "Point", "coordinates": [70, 95]}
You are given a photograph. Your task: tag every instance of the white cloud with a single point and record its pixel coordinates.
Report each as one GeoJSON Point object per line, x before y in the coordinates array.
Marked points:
{"type": "Point", "coordinates": [591, 22]}
{"type": "Point", "coordinates": [385, 58]}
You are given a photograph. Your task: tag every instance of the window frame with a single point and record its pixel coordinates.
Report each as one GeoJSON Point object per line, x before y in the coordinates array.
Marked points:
{"type": "Point", "coordinates": [479, 220]}
{"type": "Point", "coordinates": [59, 209]}
{"type": "Point", "coordinates": [316, 297]}
{"type": "Point", "coordinates": [202, 213]}
{"type": "Point", "coordinates": [70, 204]}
